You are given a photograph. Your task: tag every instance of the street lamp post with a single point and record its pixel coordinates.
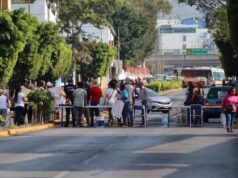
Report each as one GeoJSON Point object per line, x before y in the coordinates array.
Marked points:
{"type": "Point", "coordinates": [184, 58]}
{"type": "Point", "coordinates": [118, 52]}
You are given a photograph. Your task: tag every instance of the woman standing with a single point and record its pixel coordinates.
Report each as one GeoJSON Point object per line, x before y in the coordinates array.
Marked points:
{"type": "Point", "coordinates": [3, 104]}
{"type": "Point", "coordinates": [19, 99]}
{"type": "Point", "coordinates": [123, 97]}
{"type": "Point", "coordinates": [111, 98]}
{"type": "Point", "coordinates": [229, 102]}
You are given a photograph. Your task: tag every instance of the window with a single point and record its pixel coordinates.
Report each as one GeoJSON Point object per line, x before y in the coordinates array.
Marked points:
{"type": "Point", "coordinates": [184, 38]}
{"type": "Point", "coordinates": [184, 47]}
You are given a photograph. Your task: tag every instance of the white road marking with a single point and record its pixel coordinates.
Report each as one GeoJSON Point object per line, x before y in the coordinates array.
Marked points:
{"type": "Point", "coordinates": [62, 174]}
{"type": "Point", "coordinates": [90, 159]}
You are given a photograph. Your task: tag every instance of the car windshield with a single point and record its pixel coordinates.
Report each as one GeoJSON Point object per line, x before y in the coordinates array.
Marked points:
{"type": "Point", "coordinates": [217, 93]}
{"type": "Point", "coordinates": [152, 93]}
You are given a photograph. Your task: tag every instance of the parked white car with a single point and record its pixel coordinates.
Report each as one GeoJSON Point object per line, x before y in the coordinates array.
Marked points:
{"type": "Point", "coordinates": [157, 103]}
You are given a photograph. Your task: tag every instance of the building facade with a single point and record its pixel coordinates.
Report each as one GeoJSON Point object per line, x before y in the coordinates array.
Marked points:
{"type": "Point", "coordinates": [177, 38]}
{"type": "Point", "coordinates": [44, 10]}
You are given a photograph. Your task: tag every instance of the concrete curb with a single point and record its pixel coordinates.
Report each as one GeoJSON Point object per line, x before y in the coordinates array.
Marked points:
{"type": "Point", "coordinates": [4, 134]}
{"type": "Point", "coordinates": [20, 131]}
{"type": "Point", "coordinates": [170, 91]}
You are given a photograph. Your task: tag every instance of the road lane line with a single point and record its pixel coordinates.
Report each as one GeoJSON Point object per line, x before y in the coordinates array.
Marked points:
{"type": "Point", "coordinates": [90, 159]}
{"type": "Point", "coordinates": [62, 174]}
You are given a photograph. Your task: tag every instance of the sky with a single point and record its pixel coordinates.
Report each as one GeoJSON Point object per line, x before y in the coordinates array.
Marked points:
{"type": "Point", "coordinates": [181, 11]}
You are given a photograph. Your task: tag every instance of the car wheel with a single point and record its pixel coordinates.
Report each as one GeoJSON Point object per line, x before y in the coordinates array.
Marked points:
{"type": "Point", "coordinates": [205, 118]}
{"type": "Point", "coordinates": [165, 111]}
{"type": "Point", "coordinates": [148, 111]}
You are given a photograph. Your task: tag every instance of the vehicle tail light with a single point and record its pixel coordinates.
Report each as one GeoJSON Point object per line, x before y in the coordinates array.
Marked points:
{"type": "Point", "coordinates": [206, 103]}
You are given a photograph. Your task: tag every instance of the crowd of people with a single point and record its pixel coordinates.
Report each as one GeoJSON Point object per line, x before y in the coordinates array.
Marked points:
{"type": "Point", "coordinates": [79, 97]}
{"type": "Point", "coordinates": [90, 95]}
{"type": "Point", "coordinates": [16, 101]}
{"type": "Point", "coordinates": [195, 95]}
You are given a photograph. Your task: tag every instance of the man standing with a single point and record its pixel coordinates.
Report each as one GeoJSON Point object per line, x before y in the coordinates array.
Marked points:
{"type": "Point", "coordinates": [129, 102]}
{"type": "Point", "coordinates": [95, 94]}
{"type": "Point", "coordinates": [80, 100]}
{"type": "Point", "coordinates": [143, 93]}
{"type": "Point", "coordinates": [69, 89]}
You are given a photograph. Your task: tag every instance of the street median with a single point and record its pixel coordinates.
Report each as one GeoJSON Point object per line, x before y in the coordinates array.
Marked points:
{"type": "Point", "coordinates": [170, 91]}
{"type": "Point", "coordinates": [24, 130]}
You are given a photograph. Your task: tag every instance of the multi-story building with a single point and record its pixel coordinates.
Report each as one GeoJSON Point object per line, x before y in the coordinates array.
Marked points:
{"type": "Point", "coordinates": [177, 38]}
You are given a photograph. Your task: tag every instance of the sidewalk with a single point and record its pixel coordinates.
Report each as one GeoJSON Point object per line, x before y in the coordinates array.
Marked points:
{"type": "Point", "coordinates": [24, 129]}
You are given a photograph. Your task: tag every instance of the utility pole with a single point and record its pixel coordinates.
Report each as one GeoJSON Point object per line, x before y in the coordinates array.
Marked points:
{"type": "Point", "coordinates": [29, 7]}
{"type": "Point", "coordinates": [118, 46]}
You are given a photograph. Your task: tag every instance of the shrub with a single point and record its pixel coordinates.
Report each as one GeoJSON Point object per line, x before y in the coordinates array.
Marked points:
{"type": "Point", "coordinates": [39, 99]}
{"type": "Point", "coordinates": [165, 85]}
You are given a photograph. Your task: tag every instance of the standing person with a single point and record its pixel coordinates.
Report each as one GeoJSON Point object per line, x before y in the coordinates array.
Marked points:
{"type": "Point", "coordinates": [129, 101]}
{"type": "Point", "coordinates": [143, 93]}
{"type": "Point", "coordinates": [41, 85]}
{"type": "Point", "coordinates": [87, 110]}
{"type": "Point", "coordinates": [111, 98]}
{"type": "Point", "coordinates": [189, 94]}
{"type": "Point", "coordinates": [123, 97]}
{"type": "Point", "coordinates": [19, 108]}
{"type": "Point", "coordinates": [54, 96]}
{"type": "Point", "coordinates": [198, 94]}
{"type": "Point", "coordinates": [228, 104]}
{"type": "Point", "coordinates": [30, 111]}
{"type": "Point", "coordinates": [3, 104]}
{"type": "Point", "coordinates": [80, 100]}
{"type": "Point", "coordinates": [95, 94]}
{"type": "Point", "coordinates": [25, 84]}
{"type": "Point", "coordinates": [69, 89]}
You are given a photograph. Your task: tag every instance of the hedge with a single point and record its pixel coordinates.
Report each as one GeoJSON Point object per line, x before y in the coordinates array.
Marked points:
{"type": "Point", "coordinates": [164, 85]}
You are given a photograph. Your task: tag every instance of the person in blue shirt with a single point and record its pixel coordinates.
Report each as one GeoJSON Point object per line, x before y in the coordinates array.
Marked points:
{"type": "Point", "coordinates": [123, 97]}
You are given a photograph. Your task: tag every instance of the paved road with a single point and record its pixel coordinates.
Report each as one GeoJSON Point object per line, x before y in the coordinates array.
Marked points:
{"type": "Point", "coordinates": [121, 153]}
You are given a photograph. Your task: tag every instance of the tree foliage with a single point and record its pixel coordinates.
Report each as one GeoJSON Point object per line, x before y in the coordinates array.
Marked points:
{"type": "Point", "coordinates": [29, 49]}
{"type": "Point", "coordinates": [135, 22]}
{"type": "Point", "coordinates": [16, 28]}
{"type": "Point", "coordinates": [102, 56]}
{"type": "Point", "coordinates": [135, 19]}
{"type": "Point", "coordinates": [232, 10]}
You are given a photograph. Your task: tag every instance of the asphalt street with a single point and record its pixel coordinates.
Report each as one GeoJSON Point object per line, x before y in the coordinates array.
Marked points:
{"type": "Point", "coordinates": [121, 152]}
{"type": "Point", "coordinates": [152, 152]}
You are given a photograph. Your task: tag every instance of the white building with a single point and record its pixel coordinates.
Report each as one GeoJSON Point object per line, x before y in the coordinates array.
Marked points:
{"type": "Point", "coordinates": [103, 34]}
{"type": "Point", "coordinates": [177, 38]}
{"type": "Point", "coordinates": [44, 10]}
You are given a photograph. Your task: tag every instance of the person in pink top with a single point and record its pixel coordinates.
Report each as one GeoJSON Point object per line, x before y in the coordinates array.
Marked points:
{"type": "Point", "coordinates": [228, 104]}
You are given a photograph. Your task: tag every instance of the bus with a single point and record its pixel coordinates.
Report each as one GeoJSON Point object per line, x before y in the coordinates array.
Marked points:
{"type": "Point", "coordinates": [208, 75]}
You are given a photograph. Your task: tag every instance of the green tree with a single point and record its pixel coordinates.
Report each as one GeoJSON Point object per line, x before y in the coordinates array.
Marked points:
{"type": "Point", "coordinates": [102, 56]}
{"type": "Point", "coordinates": [16, 29]}
{"type": "Point", "coordinates": [232, 10]}
{"type": "Point", "coordinates": [135, 22]}
{"type": "Point", "coordinates": [74, 14]}
{"type": "Point", "coordinates": [30, 49]}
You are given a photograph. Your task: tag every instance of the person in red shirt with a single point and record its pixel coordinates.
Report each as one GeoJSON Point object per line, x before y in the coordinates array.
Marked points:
{"type": "Point", "coordinates": [95, 94]}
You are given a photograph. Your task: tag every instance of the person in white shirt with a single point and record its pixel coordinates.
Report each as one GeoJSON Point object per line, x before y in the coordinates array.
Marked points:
{"type": "Point", "coordinates": [3, 104]}
{"type": "Point", "coordinates": [111, 98]}
{"type": "Point", "coordinates": [19, 107]}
